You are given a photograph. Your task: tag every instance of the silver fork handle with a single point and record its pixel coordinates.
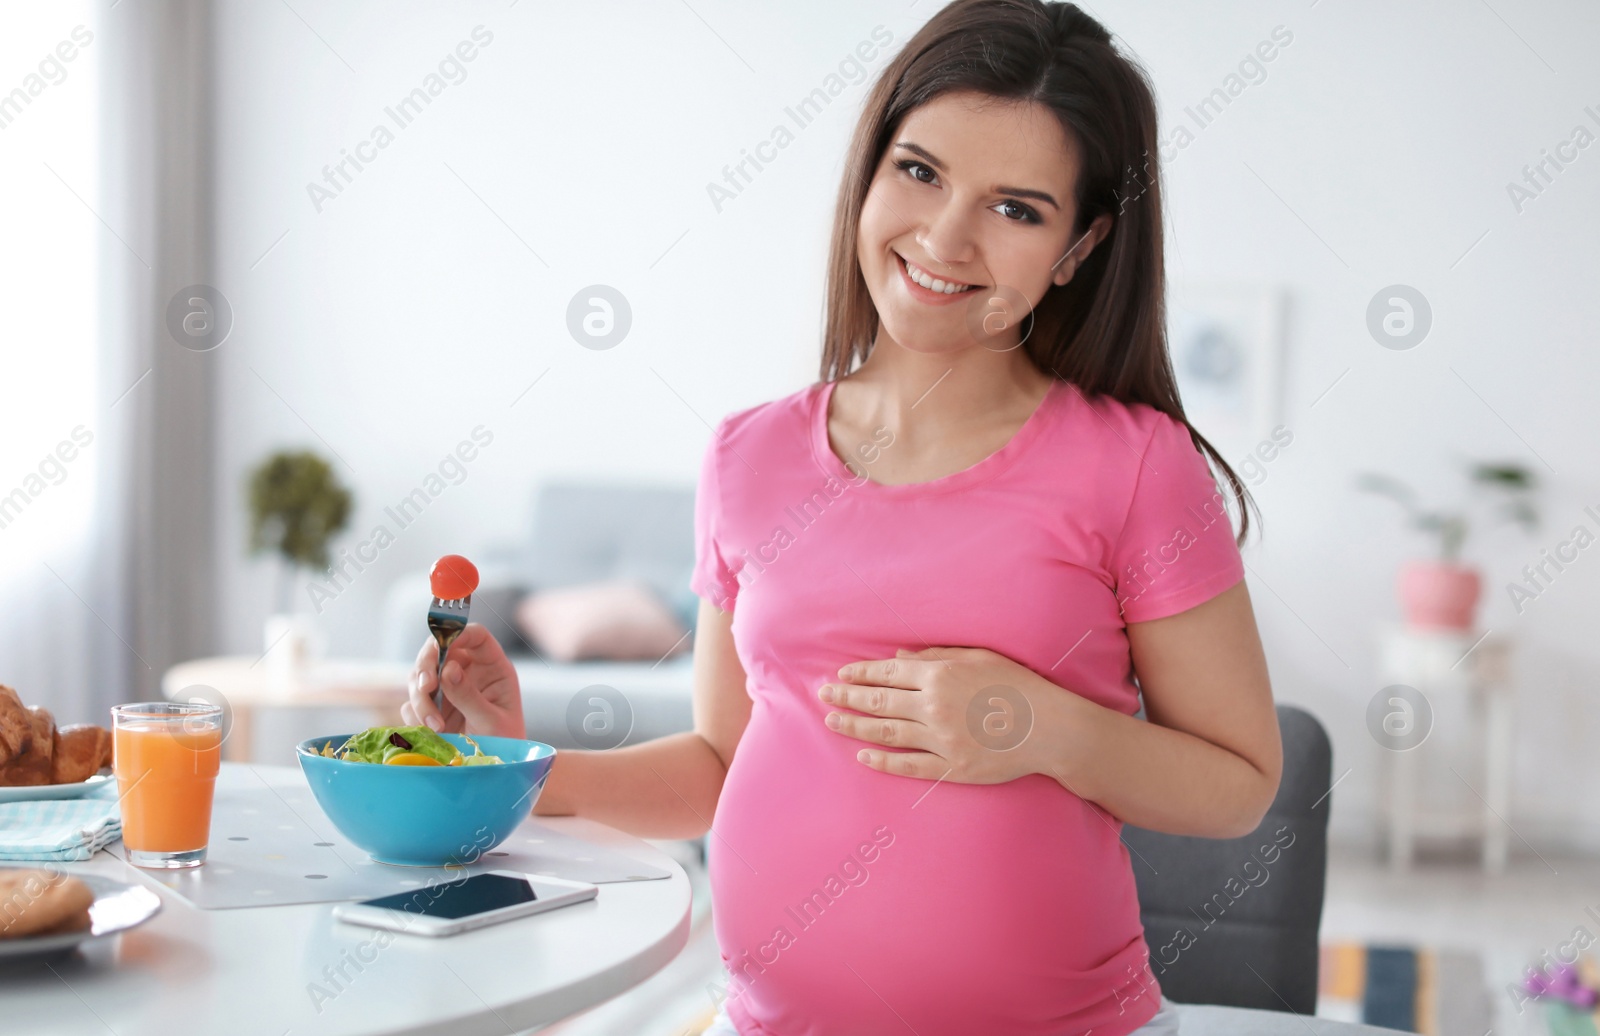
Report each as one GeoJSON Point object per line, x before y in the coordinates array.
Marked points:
{"type": "Point", "coordinates": [438, 682]}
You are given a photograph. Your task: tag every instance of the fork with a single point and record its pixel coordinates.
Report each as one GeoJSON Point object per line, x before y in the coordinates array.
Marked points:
{"type": "Point", "coordinates": [446, 620]}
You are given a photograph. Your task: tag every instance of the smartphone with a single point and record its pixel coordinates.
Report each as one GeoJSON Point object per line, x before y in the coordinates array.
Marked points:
{"type": "Point", "coordinates": [457, 906]}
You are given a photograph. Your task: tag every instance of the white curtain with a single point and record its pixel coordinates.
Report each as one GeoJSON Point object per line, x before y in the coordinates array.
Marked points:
{"type": "Point", "coordinates": [105, 421]}
{"type": "Point", "coordinates": [50, 493]}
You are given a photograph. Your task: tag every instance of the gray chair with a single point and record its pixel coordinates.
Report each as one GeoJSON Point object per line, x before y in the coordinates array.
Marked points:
{"type": "Point", "coordinates": [1228, 923]}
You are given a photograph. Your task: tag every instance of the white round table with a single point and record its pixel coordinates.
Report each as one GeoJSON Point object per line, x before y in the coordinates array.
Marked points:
{"type": "Point", "coordinates": [1204, 1020]}
{"type": "Point", "coordinates": [267, 971]}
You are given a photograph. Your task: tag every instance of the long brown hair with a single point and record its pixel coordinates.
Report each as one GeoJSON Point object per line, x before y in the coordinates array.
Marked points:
{"type": "Point", "coordinates": [1105, 330]}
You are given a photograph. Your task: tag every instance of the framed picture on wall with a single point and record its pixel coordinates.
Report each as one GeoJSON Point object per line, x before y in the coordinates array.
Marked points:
{"type": "Point", "coordinates": [1227, 344]}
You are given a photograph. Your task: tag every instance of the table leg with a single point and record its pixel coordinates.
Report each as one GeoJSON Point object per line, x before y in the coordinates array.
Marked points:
{"type": "Point", "coordinates": [1497, 769]}
{"type": "Point", "coordinates": [236, 749]}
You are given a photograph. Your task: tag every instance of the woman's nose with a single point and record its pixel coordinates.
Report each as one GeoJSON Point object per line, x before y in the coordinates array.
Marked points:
{"type": "Point", "coordinates": [947, 236]}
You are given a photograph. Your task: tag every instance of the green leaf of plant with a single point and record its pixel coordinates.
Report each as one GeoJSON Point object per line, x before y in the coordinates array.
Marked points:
{"type": "Point", "coordinates": [297, 505]}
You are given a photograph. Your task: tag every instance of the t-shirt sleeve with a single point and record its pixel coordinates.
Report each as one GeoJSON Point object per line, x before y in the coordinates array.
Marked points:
{"type": "Point", "coordinates": [711, 577]}
{"type": "Point", "coordinates": [1176, 549]}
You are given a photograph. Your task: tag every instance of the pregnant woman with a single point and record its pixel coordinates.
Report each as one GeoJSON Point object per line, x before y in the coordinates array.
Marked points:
{"type": "Point", "coordinates": [936, 583]}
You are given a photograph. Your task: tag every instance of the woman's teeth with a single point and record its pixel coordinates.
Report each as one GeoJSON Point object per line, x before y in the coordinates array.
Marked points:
{"type": "Point", "coordinates": [932, 283]}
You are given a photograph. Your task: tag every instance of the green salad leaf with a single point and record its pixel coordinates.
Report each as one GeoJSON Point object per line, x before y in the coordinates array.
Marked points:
{"type": "Point", "coordinates": [382, 744]}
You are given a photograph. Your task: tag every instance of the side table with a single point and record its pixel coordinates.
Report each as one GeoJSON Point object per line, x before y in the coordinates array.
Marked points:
{"type": "Point", "coordinates": [1440, 663]}
{"type": "Point", "coordinates": [246, 685]}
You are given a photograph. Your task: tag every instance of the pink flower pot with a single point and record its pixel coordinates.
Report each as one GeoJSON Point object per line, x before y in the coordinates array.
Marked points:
{"type": "Point", "coordinates": [1438, 595]}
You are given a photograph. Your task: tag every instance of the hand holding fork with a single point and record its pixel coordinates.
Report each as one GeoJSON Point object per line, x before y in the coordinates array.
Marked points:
{"type": "Point", "coordinates": [485, 696]}
{"type": "Point", "coordinates": [453, 580]}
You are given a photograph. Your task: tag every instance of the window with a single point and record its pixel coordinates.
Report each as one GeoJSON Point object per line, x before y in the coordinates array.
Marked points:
{"type": "Point", "coordinates": [49, 178]}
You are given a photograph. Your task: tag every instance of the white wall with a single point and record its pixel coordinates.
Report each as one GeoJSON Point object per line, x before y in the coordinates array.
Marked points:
{"type": "Point", "coordinates": [406, 312]}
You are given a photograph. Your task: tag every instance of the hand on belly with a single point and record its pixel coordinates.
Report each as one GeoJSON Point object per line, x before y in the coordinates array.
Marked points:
{"type": "Point", "coordinates": [963, 714]}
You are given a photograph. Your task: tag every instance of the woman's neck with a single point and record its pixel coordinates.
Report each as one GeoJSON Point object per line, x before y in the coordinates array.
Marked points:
{"type": "Point", "coordinates": [908, 389]}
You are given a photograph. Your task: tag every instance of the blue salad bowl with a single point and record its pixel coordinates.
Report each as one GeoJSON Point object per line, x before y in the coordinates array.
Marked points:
{"type": "Point", "coordinates": [428, 816]}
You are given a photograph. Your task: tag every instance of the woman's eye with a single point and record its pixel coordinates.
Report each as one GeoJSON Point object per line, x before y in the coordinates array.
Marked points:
{"type": "Point", "coordinates": [913, 168]}
{"type": "Point", "coordinates": [1015, 210]}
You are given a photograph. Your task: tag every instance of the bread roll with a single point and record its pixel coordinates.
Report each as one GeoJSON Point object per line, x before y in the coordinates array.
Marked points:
{"type": "Point", "coordinates": [35, 901]}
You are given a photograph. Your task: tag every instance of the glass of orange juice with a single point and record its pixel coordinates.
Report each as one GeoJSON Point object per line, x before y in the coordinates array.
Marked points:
{"type": "Point", "coordinates": [166, 756]}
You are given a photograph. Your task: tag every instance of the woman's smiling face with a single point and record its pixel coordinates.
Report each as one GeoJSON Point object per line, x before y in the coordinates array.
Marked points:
{"type": "Point", "coordinates": [977, 194]}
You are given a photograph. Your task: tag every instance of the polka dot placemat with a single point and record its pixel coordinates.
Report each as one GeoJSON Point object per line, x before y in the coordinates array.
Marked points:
{"type": "Point", "coordinates": [272, 846]}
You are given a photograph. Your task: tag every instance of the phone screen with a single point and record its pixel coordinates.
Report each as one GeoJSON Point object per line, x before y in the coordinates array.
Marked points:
{"type": "Point", "coordinates": [477, 894]}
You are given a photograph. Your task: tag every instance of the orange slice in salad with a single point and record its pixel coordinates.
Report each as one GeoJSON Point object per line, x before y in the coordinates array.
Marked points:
{"type": "Point", "coordinates": [411, 759]}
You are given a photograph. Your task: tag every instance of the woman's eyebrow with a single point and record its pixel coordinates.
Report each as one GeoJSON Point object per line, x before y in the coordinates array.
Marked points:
{"type": "Point", "coordinates": [1020, 192]}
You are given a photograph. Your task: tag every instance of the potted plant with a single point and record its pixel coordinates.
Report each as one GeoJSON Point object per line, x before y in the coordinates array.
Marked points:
{"type": "Point", "coordinates": [297, 505]}
{"type": "Point", "coordinates": [1442, 592]}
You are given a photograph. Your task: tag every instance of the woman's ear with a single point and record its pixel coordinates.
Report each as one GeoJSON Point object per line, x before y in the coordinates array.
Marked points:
{"type": "Point", "coordinates": [1098, 229]}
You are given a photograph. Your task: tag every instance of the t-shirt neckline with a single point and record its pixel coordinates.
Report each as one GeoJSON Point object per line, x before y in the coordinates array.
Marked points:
{"type": "Point", "coordinates": [986, 468]}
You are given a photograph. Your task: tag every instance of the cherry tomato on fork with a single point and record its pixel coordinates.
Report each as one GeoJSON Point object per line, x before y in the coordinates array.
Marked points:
{"type": "Point", "coordinates": [453, 578]}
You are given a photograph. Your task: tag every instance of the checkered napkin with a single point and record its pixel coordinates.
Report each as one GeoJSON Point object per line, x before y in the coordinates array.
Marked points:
{"type": "Point", "coordinates": [60, 830]}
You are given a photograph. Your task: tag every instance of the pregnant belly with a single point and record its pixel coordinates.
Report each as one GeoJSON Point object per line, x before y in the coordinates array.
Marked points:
{"type": "Point", "coordinates": [848, 900]}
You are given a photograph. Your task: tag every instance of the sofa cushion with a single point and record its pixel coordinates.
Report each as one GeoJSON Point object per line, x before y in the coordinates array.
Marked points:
{"type": "Point", "coordinates": [620, 619]}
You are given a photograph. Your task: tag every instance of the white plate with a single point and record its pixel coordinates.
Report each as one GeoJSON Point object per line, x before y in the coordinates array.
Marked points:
{"type": "Point", "coordinates": [117, 906]}
{"type": "Point", "coordinates": [40, 792]}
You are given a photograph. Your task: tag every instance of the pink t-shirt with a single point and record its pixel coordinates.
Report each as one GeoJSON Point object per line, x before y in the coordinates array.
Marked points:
{"type": "Point", "coordinates": [847, 900]}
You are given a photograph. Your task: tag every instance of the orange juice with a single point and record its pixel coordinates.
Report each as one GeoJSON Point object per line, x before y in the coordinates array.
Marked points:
{"type": "Point", "coordinates": [166, 772]}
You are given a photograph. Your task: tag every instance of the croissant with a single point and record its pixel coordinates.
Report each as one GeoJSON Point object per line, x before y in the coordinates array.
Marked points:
{"type": "Point", "coordinates": [16, 731]}
{"type": "Point", "coordinates": [36, 764]}
{"type": "Point", "coordinates": [50, 755]}
{"type": "Point", "coordinates": [80, 751]}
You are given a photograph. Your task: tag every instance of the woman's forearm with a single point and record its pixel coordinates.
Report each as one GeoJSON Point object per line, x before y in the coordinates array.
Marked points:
{"type": "Point", "coordinates": [1147, 775]}
{"type": "Point", "coordinates": [664, 788]}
